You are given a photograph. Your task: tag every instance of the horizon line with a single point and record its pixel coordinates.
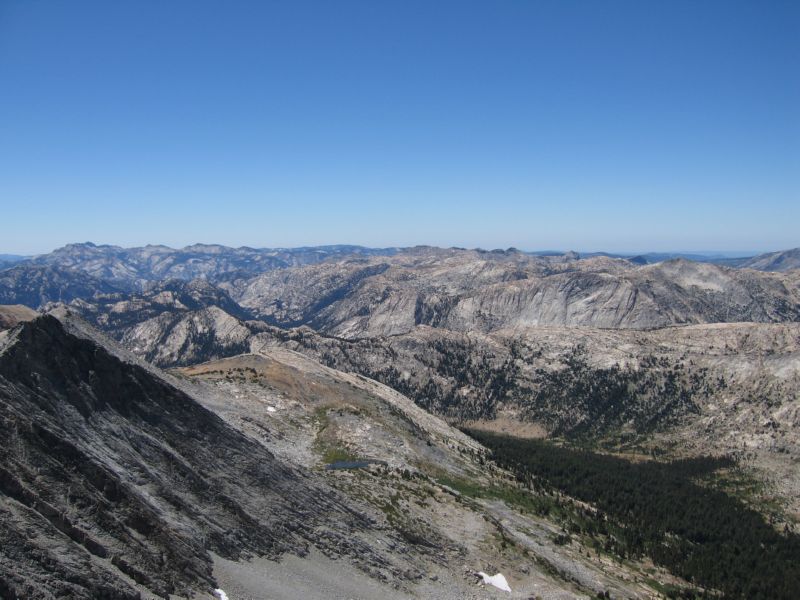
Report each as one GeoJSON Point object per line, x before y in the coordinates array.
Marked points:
{"type": "Point", "coordinates": [716, 253]}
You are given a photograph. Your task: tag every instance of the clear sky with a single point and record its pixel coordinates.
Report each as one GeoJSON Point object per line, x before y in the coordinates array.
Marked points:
{"type": "Point", "coordinates": [592, 125]}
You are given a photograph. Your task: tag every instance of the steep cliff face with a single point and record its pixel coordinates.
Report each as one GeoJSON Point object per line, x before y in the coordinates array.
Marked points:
{"type": "Point", "coordinates": [113, 481]}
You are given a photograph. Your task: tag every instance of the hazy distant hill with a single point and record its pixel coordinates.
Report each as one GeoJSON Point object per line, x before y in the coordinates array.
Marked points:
{"type": "Point", "coordinates": [134, 268]}
{"type": "Point", "coordinates": [35, 285]}
{"type": "Point", "coordinates": [774, 261]}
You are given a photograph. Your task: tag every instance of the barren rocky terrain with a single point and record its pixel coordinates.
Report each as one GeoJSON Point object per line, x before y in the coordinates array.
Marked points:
{"type": "Point", "coordinates": [596, 349]}
{"type": "Point", "coordinates": [338, 375]}
{"type": "Point", "coordinates": [312, 415]}
{"type": "Point", "coordinates": [134, 486]}
{"type": "Point", "coordinates": [128, 482]}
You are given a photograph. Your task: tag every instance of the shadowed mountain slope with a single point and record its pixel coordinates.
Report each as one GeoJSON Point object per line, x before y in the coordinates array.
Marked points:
{"type": "Point", "coordinates": [114, 481]}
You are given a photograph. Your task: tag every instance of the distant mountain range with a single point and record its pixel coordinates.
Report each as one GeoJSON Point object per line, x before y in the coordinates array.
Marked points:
{"type": "Point", "coordinates": [135, 268]}
{"type": "Point", "coordinates": [720, 258]}
{"type": "Point", "coordinates": [774, 261]}
{"type": "Point", "coordinates": [465, 290]}
{"type": "Point", "coordinates": [353, 291]}
{"type": "Point", "coordinates": [34, 284]}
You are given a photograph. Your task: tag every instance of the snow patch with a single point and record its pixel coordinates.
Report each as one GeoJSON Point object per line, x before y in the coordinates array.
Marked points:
{"type": "Point", "coordinates": [271, 409]}
{"type": "Point", "coordinates": [218, 593]}
{"type": "Point", "coordinates": [498, 581]}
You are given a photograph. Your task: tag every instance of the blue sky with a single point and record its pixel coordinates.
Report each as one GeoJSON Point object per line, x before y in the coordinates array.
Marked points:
{"type": "Point", "coordinates": [592, 125]}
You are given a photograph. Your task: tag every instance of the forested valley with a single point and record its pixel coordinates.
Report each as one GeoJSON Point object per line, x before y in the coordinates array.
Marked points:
{"type": "Point", "coordinates": [664, 511]}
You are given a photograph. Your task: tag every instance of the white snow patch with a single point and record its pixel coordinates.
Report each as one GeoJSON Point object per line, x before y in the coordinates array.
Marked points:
{"type": "Point", "coordinates": [498, 581]}
{"type": "Point", "coordinates": [220, 594]}
{"type": "Point", "coordinates": [271, 409]}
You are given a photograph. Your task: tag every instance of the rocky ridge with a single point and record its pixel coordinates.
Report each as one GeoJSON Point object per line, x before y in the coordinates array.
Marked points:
{"type": "Point", "coordinates": [11, 315]}
{"type": "Point", "coordinates": [129, 482]}
{"type": "Point", "coordinates": [312, 414]}
{"type": "Point", "coordinates": [115, 313]}
{"type": "Point", "coordinates": [356, 293]}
